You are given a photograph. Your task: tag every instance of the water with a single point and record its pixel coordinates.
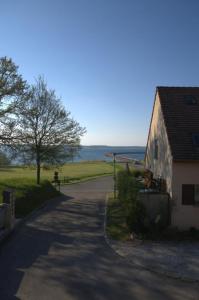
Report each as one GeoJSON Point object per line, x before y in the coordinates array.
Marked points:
{"type": "Point", "coordinates": [98, 152]}
{"type": "Point", "coordinates": [94, 153]}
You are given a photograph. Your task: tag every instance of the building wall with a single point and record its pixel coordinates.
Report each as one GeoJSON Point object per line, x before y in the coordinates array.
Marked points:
{"type": "Point", "coordinates": [184, 216]}
{"type": "Point", "coordinates": [161, 167]}
{"type": "Point", "coordinates": [175, 173]}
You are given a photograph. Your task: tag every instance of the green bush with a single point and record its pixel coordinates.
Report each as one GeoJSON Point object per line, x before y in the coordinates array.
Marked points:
{"type": "Point", "coordinates": [128, 188]}
{"type": "Point", "coordinates": [136, 218]}
{"type": "Point", "coordinates": [137, 173]}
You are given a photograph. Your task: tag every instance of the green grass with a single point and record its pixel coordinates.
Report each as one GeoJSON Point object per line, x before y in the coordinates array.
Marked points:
{"type": "Point", "coordinates": [72, 170]}
{"type": "Point", "coordinates": [116, 226]}
{"type": "Point", "coordinates": [29, 195]}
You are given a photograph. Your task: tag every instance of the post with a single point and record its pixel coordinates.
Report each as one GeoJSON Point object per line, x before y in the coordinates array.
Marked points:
{"type": "Point", "coordinates": [114, 175]}
{"type": "Point", "coordinates": [56, 179]}
{"type": "Point", "coordinates": [9, 202]}
{"type": "Point", "coordinates": [56, 176]}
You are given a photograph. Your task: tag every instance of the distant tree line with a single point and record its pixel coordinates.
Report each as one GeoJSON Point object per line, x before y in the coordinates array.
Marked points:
{"type": "Point", "coordinates": [34, 124]}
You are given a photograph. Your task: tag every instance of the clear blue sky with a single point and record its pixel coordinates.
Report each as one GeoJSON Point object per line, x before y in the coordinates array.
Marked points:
{"type": "Point", "coordinates": [104, 57]}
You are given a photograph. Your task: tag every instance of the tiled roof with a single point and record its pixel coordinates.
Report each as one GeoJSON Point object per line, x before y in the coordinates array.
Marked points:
{"type": "Point", "coordinates": [180, 108]}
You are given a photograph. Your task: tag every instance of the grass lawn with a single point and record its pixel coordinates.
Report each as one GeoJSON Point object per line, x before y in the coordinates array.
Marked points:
{"type": "Point", "coordinates": [116, 226]}
{"type": "Point", "coordinates": [29, 195]}
{"type": "Point", "coordinates": [72, 170]}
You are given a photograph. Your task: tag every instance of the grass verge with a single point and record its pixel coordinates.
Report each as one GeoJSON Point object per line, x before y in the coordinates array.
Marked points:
{"type": "Point", "coordinates": [29, 195]}
{"type": "Point", "coordinates": [73, 171]}
{"type": "Point", "coordinates": [116, 226]}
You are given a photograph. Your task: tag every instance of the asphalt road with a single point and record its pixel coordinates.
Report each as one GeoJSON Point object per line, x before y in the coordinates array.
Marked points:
{"type": "Point", "coordinates": [61, 253]}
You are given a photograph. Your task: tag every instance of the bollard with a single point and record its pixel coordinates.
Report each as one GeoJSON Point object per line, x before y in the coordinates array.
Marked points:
{"type": "Point", "coordinates": [56, 176]}
{"type": "Point", "coordinates": [56, 180]}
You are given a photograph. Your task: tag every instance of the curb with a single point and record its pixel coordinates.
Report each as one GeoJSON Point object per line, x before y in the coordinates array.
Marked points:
{"type": "Point", "coordinates": [168, 274]}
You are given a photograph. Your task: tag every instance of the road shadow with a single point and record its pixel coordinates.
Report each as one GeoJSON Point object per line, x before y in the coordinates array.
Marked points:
{"type": "Point", "coordinates": [23, 247]}
{"type": "Point", "coordinates": [61, 249]}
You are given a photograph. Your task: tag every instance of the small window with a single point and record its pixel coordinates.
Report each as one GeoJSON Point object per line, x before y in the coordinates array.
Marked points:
{"type": "Point", "coordinates": [195, 139]}
{"type": "Point", "coordinates": [155, 149]}
{"type": "Point", "coordinates": [190, 194]}
{"type": "Point", "coordinates": [190, 100]}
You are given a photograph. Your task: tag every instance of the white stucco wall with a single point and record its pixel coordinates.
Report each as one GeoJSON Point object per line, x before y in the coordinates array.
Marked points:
{"type": "Point", "coordinates": [184, 216]}
{"type": "Point", "coordinates": [161, 167]}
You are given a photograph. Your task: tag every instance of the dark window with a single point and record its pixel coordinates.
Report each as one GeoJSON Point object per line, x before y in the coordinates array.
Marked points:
{"type": "Point", "coordinates": [155, 149]}
{"type": "Point", "coordinates": [190, 100]}
{"type": "Point", "coordinates": [195, 139]}
{"type": "Point", "coordinates": [190, 194]}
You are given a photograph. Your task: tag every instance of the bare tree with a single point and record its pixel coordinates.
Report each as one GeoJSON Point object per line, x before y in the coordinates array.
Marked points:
{"type": "Point", "coordinates": [12, 90]}
{"type": "Point", "coordinates": [46, 132]}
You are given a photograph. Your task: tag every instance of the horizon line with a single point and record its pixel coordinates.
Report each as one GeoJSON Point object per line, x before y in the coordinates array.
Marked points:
{"type": "Point", "coordinates": [101, 145]}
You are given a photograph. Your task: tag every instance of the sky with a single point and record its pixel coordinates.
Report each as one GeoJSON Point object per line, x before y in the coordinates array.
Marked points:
{"type": "Point", "coordinates": [104, 58]}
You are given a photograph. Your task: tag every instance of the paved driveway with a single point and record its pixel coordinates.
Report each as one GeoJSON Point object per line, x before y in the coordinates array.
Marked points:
{"type": "Point", "coordinates": [61, 254]}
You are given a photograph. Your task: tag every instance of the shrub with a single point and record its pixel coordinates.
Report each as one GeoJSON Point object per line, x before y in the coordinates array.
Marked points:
{"type": "Point", "coordinates": [122, 185]}
{"type": "Point", "coordinates": [137, 173]}
{"type": "Point", "coordinates": [128, 187]}
{"type": "Point", "coordinates": [136, 218]}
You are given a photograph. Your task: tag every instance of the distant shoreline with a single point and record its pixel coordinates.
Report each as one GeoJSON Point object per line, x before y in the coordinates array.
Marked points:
{"type": "Point", "coordinates": [99, 152]}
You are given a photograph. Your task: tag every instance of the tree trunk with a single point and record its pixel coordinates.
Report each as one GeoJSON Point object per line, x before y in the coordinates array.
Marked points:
{"type": "Point", "coordinates": [38, 169]}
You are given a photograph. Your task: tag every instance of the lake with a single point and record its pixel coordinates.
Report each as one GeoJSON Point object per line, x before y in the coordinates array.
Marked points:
{"type": "Point", "coordinates": [92, 153]}
{"type": "Point", "coordinates": [99, 152]}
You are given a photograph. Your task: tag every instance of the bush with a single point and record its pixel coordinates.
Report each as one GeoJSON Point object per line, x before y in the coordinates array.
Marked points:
{"type": "Point", "coordinates": [137, 173]}
{"type": "Point", "coordinates": [136, 218]}
{"type": "Point", "coordinates": [128, 188]}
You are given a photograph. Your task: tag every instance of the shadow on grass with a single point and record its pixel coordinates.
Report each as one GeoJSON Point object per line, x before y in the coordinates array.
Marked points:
{"type": "Point", "coordinates": [34, 197]}
{"type": "Point", "coordinates": [29, 195]}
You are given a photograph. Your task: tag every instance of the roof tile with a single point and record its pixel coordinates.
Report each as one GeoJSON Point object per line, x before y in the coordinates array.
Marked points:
{"type": "Point", "coordinates": [181, 120]}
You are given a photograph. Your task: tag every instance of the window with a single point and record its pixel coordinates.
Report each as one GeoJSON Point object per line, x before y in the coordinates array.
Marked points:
{"type": "Point", "coordinates": [190, 194]}
{"type": "Point", "coordinates": [155, 149]}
